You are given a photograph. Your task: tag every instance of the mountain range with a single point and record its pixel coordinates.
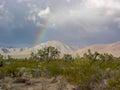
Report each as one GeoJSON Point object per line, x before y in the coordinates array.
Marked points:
{"type": "Point", "coordinates": [113, 49]}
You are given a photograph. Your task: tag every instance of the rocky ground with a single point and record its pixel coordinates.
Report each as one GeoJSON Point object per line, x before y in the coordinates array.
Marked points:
{"type": "Point", "coordinates": [35, 84]}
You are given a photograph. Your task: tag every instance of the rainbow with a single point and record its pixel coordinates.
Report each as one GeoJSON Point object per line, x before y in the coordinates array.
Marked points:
{"type": "Point", "coordinates": [43, 31]}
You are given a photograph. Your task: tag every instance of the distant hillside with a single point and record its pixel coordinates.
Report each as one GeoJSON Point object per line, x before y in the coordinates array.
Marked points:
{"type": "Point", "coordinates": [113, 49]}
{"type": "Point", "coordinates": [25, 52]}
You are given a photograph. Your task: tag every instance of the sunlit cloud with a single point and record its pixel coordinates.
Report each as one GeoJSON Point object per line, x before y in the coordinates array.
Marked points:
{"type": "Point", "coordinates": [44, 13]}
{"type": "Point", "coordinates": [89, 14]}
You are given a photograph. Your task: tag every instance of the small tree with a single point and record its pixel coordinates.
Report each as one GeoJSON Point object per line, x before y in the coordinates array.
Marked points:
{"type": "Point", "coordinates": [41, 54]}
{"type": "Point", "coordinates": [1, 57]}
{"type": "Point", "coordinates": [48, 53]}
{"type": "Point", "coordinates": [95, 55]}
{"type": "Point", "coordinates": [1, 60]}
{"type": "Point", "coordinates": [90, 55]}
{"type": "Point", "coordinates": [9, 57]}
{"type": "Point", "coordinates": [33, 56]}
{"type": "Point", "coordinates": [67, 57]}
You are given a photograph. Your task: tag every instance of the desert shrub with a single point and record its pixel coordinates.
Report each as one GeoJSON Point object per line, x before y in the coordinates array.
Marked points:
{"type": "Point", "coordinates": [92, 71]}
{"type": "Point", "coordinates": [67, 57]}
{"type": "Point", "coordinates": [15, 64]}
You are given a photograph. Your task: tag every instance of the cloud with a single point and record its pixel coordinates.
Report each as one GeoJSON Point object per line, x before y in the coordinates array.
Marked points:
{"type": "Point", "coordinates": [110, 4]}
{"type": "Point", "coordinates": [38, 15]}
{"type": "Point", "coordinates": [68, 1]}
{"type": "Point", "coordinates": [21, 1]}
{"type": "Point", "coordinates": [72, 21]}
{"type": "Point", "coordinates": [6, 17]}
{"type": "Point", "coordinates": [89, 14]}
{"type": "Point", "coordinates": [44, 13]}
{"type": "Point", "coordinates": [1, 6]}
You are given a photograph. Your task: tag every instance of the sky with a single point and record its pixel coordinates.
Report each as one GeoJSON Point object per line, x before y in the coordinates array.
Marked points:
{"type": "Point", "coordinates": [73, 22]}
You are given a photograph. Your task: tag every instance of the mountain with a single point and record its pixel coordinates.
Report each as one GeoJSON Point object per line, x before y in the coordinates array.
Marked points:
{"type": "Point", "coordinates": [25, 52]}
{"type": "Point", "coordinates": [60, 46]}
{"type": "Point", "coordinates": [113, 49]}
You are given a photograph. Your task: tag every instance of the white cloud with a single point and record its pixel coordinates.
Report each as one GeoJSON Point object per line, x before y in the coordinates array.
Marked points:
{"type": "Point", "coordinates": [20, 1]}
{"type": "Point", "coordinates": [110, 4]}
{"type": "Point", "coordinates": [36, 15]}
{"type": "Point", "coordinates": [31, 18]}
{"type": "Point", "coordinates": [44, 13]}
{"type": "Point", "coordinates": [6, 17]}
{"type": "Point", "coordinates": [89, 14]}
{"type": "Point", "coordinates": [68, 0]}
{"type": "Point", "coordinates": [1, 6]}
{"type": "Point", "coordinates": [111, 7]}
{"type": "Point", "coordinates": [32, 13]}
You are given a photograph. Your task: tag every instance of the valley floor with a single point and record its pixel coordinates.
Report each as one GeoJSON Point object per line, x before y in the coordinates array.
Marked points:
{"type": "Point", "coordinates": [36, 84]}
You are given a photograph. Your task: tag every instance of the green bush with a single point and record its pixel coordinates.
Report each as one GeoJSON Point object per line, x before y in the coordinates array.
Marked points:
{"type": "Point", "coordinates": [93, 70]}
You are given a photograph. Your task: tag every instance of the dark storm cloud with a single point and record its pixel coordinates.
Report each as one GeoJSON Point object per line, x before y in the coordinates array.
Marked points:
{"type": "Point", "coordinates": [75, 22]}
